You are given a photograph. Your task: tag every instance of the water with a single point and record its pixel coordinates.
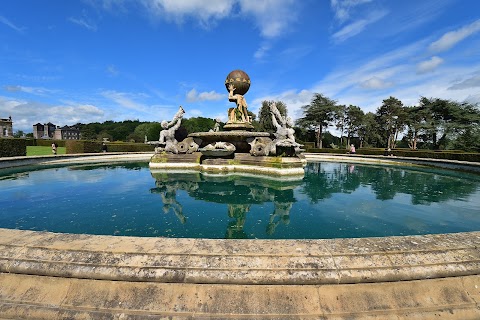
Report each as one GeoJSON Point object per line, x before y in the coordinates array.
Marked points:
{"type": "Point", "coordinates": [334, 200]}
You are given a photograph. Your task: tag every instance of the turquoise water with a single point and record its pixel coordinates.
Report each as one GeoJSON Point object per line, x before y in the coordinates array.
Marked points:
{"type": "Point", "coordinates": [334, 200]}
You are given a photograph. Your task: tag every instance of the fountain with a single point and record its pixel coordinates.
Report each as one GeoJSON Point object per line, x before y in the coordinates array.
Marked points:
{"type": "Point", "coordinates": [238, 148]}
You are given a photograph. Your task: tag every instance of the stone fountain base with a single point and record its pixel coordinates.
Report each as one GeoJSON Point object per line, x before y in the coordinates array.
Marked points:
{"type": "Point", "coordinates": [238, 162]}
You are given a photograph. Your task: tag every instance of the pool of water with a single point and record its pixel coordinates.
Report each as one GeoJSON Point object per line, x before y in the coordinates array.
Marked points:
{"type": "Point", "coordinates": [333, 200]}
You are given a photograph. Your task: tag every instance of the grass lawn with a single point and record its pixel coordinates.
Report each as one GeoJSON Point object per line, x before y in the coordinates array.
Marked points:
{"type": "Point", "coordinates": [41, 151]}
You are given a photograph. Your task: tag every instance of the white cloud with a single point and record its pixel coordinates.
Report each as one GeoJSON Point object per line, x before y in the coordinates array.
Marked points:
{"type": "Point", "coordinates": [343, 8]}
{"type": "Point", "coordinates": [450, 39]}
{"type": "Point", "coordinates": [376, 83]}
{"type": "Point", "coordinates": [205, 11]}
{"type": "Point", "coordinates": [84, 22]}
{"type": "Point", "coordinates": [33, 90]}
{"type": "Point", "coordinates": [262, 51]}
{"type": "Point", "coordinates": [112, 71]}
{"type": "Point", "coordinates": [393, 73]}
{"type": "Point", "coordinates": [472, 82]}
{"type": "Point", "coordinates": [294, 99]}
{"type": "Point", "coordinates": [194, 96]}
{"type": "Point", "coordinates": [272, 17]}
{"type": "Point", "coordinates": [473, 99]}
{"type": "Point", "coordinates": [429, 65]}
{"type": "Point", "coordinates": [26, 113]}
{"type": "Point", "coordinates": [195, 113]}
{"type": "Point", "coordinates": [358, 26]}
{"type": "Point", "coordinates": [8, 23]}
{"type": "Point", "coordinates": [124, 100]}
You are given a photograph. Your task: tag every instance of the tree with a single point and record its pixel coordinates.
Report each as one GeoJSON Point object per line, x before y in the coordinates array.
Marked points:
{"type": "Point", "coordinates": [416, 121]}
{"type": "Point", "coordinates": [369, 131]}
{"type": "Point", "coordinates": [340, 119]}
{"type": "Point", "coordinates": [317, 115]}
{"type": "Point", "coordinates": [354, 117]}
{"type": "Point", "coordinates": [391, 118]}
{"type": "Point", "coordinates": [19, 134]}
{"type": "Point", "coordinates": [149, 129]}
{"type": "Point", "coordinates": [265, 116]}
{"type": "Point", "coordinates": [198, 124]}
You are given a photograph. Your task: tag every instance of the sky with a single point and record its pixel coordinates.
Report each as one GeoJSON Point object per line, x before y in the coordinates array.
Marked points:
{"type": "Point", "coordinates": [96, 60]}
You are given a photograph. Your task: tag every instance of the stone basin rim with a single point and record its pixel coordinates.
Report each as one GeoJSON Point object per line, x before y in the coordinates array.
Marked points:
{"type": "Point", "coordinates": [209, 261]}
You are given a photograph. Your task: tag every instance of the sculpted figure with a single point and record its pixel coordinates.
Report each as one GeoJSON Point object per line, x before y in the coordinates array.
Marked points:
{"type": "Point", "coordinates": [167, 135]}
{"type": "Point", "coordinates": [283, 124]}
{"type": "Point", "coordinates": [240, 113]}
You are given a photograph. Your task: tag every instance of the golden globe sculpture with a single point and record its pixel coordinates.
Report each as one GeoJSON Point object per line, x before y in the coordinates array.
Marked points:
{"type": "Point", "coordinates": [240, 80]}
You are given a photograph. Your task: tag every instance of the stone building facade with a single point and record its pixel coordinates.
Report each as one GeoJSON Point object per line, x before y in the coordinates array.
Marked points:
{"type": "Point", "coordinates": [67, 133]}
{"type": "Point", "coordinates": [6, 128]}
{"type": "Point", "coordinates": [44, 131]}
{"type": "Point", "coordinates": [51, 131]}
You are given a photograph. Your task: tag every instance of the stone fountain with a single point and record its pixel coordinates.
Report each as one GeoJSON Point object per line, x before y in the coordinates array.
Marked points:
{"type": "Point", "coordinates": [236, 149]}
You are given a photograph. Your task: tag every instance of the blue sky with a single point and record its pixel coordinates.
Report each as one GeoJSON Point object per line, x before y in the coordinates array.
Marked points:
{"type": "Point", "coordinates": [85, 61]}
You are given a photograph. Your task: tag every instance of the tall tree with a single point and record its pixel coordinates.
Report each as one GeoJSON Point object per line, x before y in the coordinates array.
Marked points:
{"type": "Point", "coordinates": [416, 121]}
{"type": "Point", "coordinates": [340, 121]}
{"type": "Point", "coordinates": [391, 118]}
{"type": "Point", "coordinates": [369, 131]}
{"type": "Point", "coordinates": [354, 117]}
{"type": "Point", "coordinates": [318, 115]}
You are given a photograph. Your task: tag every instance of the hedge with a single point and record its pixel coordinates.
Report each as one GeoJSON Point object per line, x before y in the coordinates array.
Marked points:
{"type": "Point", "coordinates": [446, 155]}
{"type": "Point", "coordinates": [129, 147]}
{"type": "Point", "coordinates": [83, 146]}
{"type": "Point", "coordinates": [13, 147]}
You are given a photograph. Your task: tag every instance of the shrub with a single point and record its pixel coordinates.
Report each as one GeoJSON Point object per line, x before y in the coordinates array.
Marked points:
{"type": "Point", "coordinates": [13, 147]}
{"type": "Point", "coordinates": [129, 147]}
{"type": "Point", "coordinates": [447, 155]}
{"type": "Point", "coordinates": [82, 146]}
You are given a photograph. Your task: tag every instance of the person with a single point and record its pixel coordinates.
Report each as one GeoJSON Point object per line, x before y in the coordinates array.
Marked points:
{"type": "Point", "coordinates": [54, 148]}
{"type": "Point", "coordinates": [352, 149]}
{"type": "Point", "coordinates": [239, 113]}
{"type": "Point", "coordinates": [104, 147]}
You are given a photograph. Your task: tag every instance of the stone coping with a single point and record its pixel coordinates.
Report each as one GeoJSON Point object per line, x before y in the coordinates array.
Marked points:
{"type": "Point", "coordinates": [245, 262]}
{"type": "Point", "coordinates": [62, 159]}
{"type": "Point", "coordinates": [40, 297]}
{"type": "Point", "coordinates": [232, 133]}
{"type": "Point", "coordinates": [356, 158]}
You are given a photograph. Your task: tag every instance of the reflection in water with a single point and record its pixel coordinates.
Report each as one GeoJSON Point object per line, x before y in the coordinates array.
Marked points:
{"type": "Point", "coordinates": [238, 192]}
{"type": "Point", "coordinates": [333, 200]}
{"type": "Point", "coordinates": [425, 186]}
{"type": "Point", "coordinates": [339, 196]}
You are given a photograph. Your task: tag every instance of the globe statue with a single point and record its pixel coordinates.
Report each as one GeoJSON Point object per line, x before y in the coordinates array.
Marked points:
{"type": "Point", "coordinates": [240, 80]}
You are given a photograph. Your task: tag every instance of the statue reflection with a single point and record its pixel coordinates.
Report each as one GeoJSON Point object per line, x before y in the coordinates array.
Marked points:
{"type": "Point", "coordinates": [235, 228]}
{"type": "Point", "coordinates": [238, 192]}
{"type": "Point", "coordinates": [281, 214]}
{"type": "Point", "coordinates": [167, 187]}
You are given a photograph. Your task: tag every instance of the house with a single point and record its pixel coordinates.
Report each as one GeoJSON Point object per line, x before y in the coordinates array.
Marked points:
{"type": "Point", "coordinates": [51, 131]}
{"type": "Point", "coordinates": [44, 131]}
{"type": "Point", "coordinates": [67, 133]}
{"type": "Point", "coordinates": [6, 128]}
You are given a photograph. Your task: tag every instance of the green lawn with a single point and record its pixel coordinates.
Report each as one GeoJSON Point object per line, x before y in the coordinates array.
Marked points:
{"type": "Point", "coordinates": [41, 151]}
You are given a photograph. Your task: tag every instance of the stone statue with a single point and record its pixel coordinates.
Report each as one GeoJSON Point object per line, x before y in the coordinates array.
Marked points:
{"type": "Point", "coordinates": [216, 127]}
{"type": "Point", "coordinates": [167, 135]}
{"type": "Point", "coordinates": [240, 113]}
{"type": "Point", "coordinates": [283, 124]}
{"type": "Point", "coordinates": [284, 143]}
